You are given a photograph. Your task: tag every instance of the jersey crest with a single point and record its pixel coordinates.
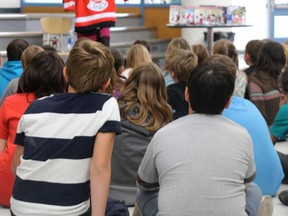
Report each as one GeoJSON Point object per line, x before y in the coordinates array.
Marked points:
{"type": "Point", "coordinates": [97, 5]}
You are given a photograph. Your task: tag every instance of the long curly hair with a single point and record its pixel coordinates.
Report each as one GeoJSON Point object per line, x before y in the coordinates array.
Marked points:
{"type": "Point", "coordinates": [143, 98]}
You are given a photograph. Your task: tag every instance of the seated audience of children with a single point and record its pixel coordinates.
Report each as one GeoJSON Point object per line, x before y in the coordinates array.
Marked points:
{"type": "Point", "coordinates": [136, 56]}
{"type": "Point", "coordinates": [226, 47]}
{"type": "Point", "coordinates": [263, 83]}
{"type": "Point", "coordinates": [42, 76]}
{"type": "Point", "coordinates": [140, 119]}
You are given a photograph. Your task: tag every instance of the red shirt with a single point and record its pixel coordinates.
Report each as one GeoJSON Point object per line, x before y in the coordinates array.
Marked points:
{"type": "Point", "coordinates": [10, 113]}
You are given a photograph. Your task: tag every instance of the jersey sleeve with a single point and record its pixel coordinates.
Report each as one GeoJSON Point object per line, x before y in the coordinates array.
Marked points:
{"type": "Point", "coordinates": [69, 5]}
{"type": "Point", "coordinates": [112, 116]}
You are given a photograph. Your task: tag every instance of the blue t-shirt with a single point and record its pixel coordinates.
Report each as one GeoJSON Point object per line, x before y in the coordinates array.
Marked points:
{"type": "Point", "coordinates": [269, 171]}
{"type": "Point", "coordinates": [279, 128]}
{"type": "Point", "coordinates": [58, 135]}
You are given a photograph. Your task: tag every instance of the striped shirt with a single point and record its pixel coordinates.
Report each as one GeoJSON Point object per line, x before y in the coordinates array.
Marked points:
{"type": "Point", "coordinates": [264, 93]}
{"type": "Point", "coordinates": [58, 134]}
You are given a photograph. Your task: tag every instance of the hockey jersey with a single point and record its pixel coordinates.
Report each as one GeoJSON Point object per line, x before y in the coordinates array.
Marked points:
{"type": "Point", "coordinates": [92, 14]}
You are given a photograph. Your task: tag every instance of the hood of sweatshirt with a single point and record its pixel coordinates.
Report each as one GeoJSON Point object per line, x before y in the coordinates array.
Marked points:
{"type": "Point", "coordinates": [11, 70]}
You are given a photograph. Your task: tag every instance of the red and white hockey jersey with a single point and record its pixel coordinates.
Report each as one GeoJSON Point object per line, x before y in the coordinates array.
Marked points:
{"type": "Point", "coordinates": [92, 14]}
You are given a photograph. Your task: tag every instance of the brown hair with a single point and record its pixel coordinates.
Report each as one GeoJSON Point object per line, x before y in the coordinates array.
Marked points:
{"type": "Point", "coordinates": [230, 65]}
{"type": "Point", "coordinates": [144, 92]}
{"type": "Point", "coordinates": [181, 62]}
{"type": "Point", "coordinates": [43, 75]}
{"type": "Point", "coordinates": [29, 53]}
{"type": "Point", "coordinates": [283, 80]}
{"type": "Point", "coordinates": [201, 51]}
{"type": "Point", "coordinates": [252, 49]}
{"type": "Point", "coordinates": [15, 49]}
{"type": "Point", "coordinates": [89, 66]}
{"type": "Point", "coordinates": [144, 43]}
{"type": "Point", "coordinates": [226, 47]}
{"type": "Point", "coordinates": [137, 55]}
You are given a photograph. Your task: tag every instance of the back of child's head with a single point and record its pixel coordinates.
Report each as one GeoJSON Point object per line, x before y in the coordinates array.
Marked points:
{"type": "Point", "coordinates": [144, 43]}
{"type": "Point", "coordinates": [252, 48]}
{"type": "Point", "coordinates": [271, 59]}
{"type": "Point", "coordinates": [201, 51]}
{"type": "Point", "coordinates": [145, 84]}
{"type": "Point", "coordinates": [48, 47]}
{"type": "Point", "coordinates": [79, 41]}
{"type": "Point", "coordinates": [226, 47]}
{"type": "Point", "coordinates": [181, 63]}
{"type": "Point", "coordinates": [43, 75]}
{"type": "Point", "coordinates": [137, 55]}
{"type": "Point", "coordinates": [15, 49]}
{"type": "Point", "coordinates": [89, 66]}
{"type": "Point", "coordinates": [178, 43]}
{"type": "Point", "coordinates": [29, 53]}
{"type": "Point", "coordinates": [118, 59]}
{"type": "Point", "coordinates": [225, 60]}
{"type": "Point", "coordinates": [210, 87]}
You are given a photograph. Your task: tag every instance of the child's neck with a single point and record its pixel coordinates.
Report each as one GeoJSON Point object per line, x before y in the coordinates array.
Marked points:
{"type": "Point", "coordinates": [71, 89]}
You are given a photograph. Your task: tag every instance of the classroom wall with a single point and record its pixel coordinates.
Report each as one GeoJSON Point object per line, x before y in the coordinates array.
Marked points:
{"type": "Point", "coordinates": [158, 17]}
{"type": "Point", "coordinates": [10, 4]}
{"type": "Point", "coordinates": [256, 14]}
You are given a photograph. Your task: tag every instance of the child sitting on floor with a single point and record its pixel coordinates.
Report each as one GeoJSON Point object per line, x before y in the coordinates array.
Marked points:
{"type": "Point", "coordinates": [65, 159]}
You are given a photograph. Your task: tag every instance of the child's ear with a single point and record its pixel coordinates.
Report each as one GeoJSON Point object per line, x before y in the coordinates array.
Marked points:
{"type": "Point", "coordinates": [173, 74]}
{"type": "Point", "coordinates": [105, 85]}
{"type": "Point", "coordinates": [246, 58]}
{"type": "Point", "coordinates": [187, 95]}
{"type": "Point", "coordinates": [65, 74]}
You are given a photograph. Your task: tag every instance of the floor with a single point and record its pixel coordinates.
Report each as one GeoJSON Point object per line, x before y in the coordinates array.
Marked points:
{"type": "Point", "coordinates": [279, 208]}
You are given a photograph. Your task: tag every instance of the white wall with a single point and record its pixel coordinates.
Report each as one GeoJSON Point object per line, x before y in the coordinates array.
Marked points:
{"type": "Point", "coordinates": [196, 36]}
{"type": "Point", "coordinates": [10, 4]}
{"type": "Point", "coordinates": [256, 15]}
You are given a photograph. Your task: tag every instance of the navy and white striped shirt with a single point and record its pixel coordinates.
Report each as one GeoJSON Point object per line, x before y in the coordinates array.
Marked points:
{"type": "Point", "coordinates": [58, 134]}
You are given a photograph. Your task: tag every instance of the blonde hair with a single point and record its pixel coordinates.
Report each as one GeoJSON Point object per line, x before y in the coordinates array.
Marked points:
{"type": "Point", "coordinates": [226, 47]}
{"type": "Point", "coordinates": [137, 55]}
{"type": "Point", "coordinates": [89, 66]}
{"type": "Point", "coordinates": [29, 53]}
{"type": "Point", "coordinates": [181, 62]}
{"type": "Point", "coordinates": [178, 43]}
{"type": "Point", "coordinates": [145, 92]}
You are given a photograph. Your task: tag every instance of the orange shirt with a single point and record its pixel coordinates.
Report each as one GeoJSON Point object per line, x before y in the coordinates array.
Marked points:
{"type": "Point", "coordinates": [10, 113]}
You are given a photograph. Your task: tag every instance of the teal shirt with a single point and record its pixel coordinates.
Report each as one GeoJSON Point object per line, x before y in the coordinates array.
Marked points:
{"type": "Point", "coordinates": [279, 128]}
